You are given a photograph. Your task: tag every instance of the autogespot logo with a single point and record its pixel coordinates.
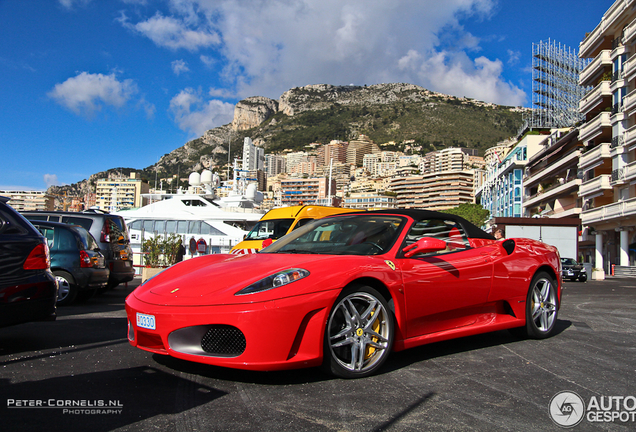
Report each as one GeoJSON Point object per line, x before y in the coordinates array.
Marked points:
{"type": "Point", "coordinates": [567, 409]}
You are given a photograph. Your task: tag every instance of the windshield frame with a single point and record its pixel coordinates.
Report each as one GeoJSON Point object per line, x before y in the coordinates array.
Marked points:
{"type": "Point", "coordinates": [394, 222]}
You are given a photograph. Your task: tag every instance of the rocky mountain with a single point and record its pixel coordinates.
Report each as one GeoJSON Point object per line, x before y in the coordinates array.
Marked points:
{"type": "Point", "coordinates": [320, 113]}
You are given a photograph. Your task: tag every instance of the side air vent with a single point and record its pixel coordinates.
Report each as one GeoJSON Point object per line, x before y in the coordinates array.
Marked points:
{"type": "Point", "coordinates": [509, 246]}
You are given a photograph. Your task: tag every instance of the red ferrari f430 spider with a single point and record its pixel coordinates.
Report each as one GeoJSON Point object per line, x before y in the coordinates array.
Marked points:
{"type": "Point", "coordinates": [346, 290]}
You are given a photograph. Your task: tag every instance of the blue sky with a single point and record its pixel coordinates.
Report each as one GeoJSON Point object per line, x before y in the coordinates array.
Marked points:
{"type": "Point", "coordinates": [89, 85]}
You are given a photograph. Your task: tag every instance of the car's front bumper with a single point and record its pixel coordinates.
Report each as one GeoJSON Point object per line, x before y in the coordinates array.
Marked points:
{"type": "Point", "coordinates": [278, 334]}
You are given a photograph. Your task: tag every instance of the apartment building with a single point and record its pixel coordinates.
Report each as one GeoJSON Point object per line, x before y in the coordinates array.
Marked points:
{"type": "Point", "coordinates": [305, 191]}
{"type": "Point", "coordinates": [369, 201]}
{"type": "Point", "coordinates": [274, 164]}
{"type": "Point", "coordinates": [114, 194]}
{"type": "Point", "coordinates": [29, 200]}
{"type": "Point", "coordinates": [437, 191]}
{"type": "Point", "coordinates": [550, 181]}
{"type": "Point", "coordinates": [336, 150]}
{"type": "Point", "coordinates": [253, 156]}
{"type": "Point", "coordinates": [360, 147]}
{"type": "Point", "coordinates": [502, 190]}
{"type": "Point", "coordinates": [608, 165]}
{"type": "Point", "coordinates": [448, 159]}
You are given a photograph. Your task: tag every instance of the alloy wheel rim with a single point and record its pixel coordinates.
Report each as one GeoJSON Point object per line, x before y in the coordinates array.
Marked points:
{"type": "Point", "coordinates": [544, 305]}
{"type": "Point", "coordinates": [63, 288]}
{"type": "Point", "coordinates": [359, 332]}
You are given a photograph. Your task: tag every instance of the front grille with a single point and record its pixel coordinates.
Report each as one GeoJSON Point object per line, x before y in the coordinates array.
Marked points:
{"type": "Point", "coordinates": [223, 340]}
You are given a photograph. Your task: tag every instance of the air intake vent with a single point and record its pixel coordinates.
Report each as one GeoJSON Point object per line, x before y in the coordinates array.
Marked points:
{"type": "Point", "coordinates": [223, 340]}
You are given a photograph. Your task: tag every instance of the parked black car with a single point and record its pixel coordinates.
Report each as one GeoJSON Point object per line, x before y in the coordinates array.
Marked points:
{"type": "Point", "coordinates": [572, 270]}
{"type": "Point", "coordinates": [28, 290]}
{"type": "Point", "coordinates": [110, 232]}
{"type": "Point", "coordinates": [76, 261]}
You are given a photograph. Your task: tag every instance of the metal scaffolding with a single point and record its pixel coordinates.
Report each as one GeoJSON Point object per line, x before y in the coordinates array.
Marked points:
{"type": "Point", "coordinates": [555, 86]}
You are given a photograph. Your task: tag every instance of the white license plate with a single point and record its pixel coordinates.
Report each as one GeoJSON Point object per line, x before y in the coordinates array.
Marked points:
{"type": "Point", "coordinates": [146, 321]}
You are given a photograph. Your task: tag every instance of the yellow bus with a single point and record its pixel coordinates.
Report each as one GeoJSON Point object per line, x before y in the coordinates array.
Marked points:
{"type": "Point", "coordinates": [280, 221]}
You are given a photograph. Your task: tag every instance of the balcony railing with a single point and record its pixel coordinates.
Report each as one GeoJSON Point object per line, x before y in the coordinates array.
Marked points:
{"type": "Point", "coordinates": [611, 211]}
{"type": "Point", "coordinates": [629, 173]}
{"type": "Point", "coordinates": [551, 192]}
{"type": "Point", "coordinates": [593, 128]}
{"type": "Point", "coordinates": [594, 157]}
{"type": "Point", "coordinates": [617, 141]}
{"type": "Point", "coordinates": [595, 185]}
{"type": "Point", "coordinates": [630, 137]}
{"type": "Point", "coordinates": [618, 175]}
{"type": "Point", "coordinates": [629, 68]}
{"type": "Point", "coordinates": [603, 58]}
{"type": "Point", "coordinates": [629, 103]}
{"type": "Point", "coordinates": [595, 97]}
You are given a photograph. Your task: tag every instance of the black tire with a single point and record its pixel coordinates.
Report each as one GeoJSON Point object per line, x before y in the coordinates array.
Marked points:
{"type": "Point", "coordinates": [542, 306]}
{"type": "Point", "coordinates": [67, 289]}
{"type": "Point", "coordinates": [582, 278]}
{"type": "Point", "coordinates": [359, 333]}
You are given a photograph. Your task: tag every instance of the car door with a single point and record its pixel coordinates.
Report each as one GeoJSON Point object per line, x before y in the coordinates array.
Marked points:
{"type": "Point", "coordinates": [444, 290]}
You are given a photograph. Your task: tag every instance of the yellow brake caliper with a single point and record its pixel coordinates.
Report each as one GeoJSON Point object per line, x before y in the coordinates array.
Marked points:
{"type": "Point", "coordinates": [376, 328]}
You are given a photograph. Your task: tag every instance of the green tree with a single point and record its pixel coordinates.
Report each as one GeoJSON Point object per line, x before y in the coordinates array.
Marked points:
{"type": "Point", "coordinates": [473, 213]}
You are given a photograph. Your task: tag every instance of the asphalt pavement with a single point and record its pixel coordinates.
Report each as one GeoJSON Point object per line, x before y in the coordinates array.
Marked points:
{"type": "Point", "coordinates": [80, 374]}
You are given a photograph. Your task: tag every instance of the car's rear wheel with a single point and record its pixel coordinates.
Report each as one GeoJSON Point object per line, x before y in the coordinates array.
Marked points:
{"type": "Point", "coordinates": [67, 290]}
{"type": "Point", "coordinates": [542, 306]}
{"type": "Point", "coordinates": [359, 333]}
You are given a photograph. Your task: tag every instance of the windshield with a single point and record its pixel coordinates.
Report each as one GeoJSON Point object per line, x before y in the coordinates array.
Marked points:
{"type": "Point", "coordinates": [568, 261]}
{"type": "Point", "coordinates": [342, 235]}
{"type": "Point", "coordinates": [272, 228]}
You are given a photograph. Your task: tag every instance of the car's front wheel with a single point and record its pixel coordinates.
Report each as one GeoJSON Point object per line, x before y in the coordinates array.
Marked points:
{"type": "Point", "coordinates": [542, 306]}
{"type": "Point", "coordinates": [67, 290]}
{"type": "Point", "coordinates": [359, 333]}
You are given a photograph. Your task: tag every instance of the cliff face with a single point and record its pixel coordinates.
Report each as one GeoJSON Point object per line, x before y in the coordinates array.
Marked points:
{"type": "Point", "coordinates": [253, 111]}
{"type": "Point", "coordinates": [322, 112]}
{"type": "Point", "coordinates": [322, 96]}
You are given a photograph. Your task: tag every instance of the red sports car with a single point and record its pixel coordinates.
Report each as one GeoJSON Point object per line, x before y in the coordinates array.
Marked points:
{"type": "Point", "coordinates": [344, 291]}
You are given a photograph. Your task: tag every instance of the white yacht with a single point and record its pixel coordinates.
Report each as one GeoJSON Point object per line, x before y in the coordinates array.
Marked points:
{"type": "Point", "coordinates": [199, 215]}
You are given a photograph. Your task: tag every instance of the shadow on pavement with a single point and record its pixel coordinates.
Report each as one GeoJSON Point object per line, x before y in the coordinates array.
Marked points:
{"type": "Point", "coordinates": [61, 334]}
{"type": "Point", "coordinates": [136, 394]}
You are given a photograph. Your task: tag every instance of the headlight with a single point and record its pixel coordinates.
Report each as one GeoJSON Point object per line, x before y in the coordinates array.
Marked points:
{"type": "Point", "coordinates": [274, 281]}
{"type": "Point", "coordinates": [583, 270]}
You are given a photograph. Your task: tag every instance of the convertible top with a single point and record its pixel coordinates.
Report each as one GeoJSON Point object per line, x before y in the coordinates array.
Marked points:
{"type": "Point", "coordinates": [471, 230]}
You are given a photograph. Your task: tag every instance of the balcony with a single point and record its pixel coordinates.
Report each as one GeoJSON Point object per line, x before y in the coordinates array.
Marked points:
{"type": "Point", "coordinates": [552, 168]}
{"type": "Point", "coordinates": [629, 172]}
{"type": "Point", "coordinates": [595, 67]}
{"type": "Point", "coordinates": [593, 128]}
{"type": "Point", "coordinates": [629, 68]}
{"type": "Point", "coordinates": [618, 177]}
{"type": "Point", "coordinates": [629, 33]}
{"type": "Point", "coordinates": [593, 158]}
{"type": "Point", "coordinates": [551, 193]}
{"type": "Point", "coordinates": [607, 27]}
{"type": "Point", "coordinates": [595, 97]}
{"type": "Point", "coordinates": [630, 138]}
{"type": "Point", "coordinates": [611, 211]}
{"type": "Point", "coordinates": [629, 103]}
{"type": "Point", "coordinates": [596, 186]}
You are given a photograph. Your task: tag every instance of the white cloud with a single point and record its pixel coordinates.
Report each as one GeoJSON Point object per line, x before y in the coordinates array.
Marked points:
{"type": "Point", "coordinates": [69, 4]}
{"type": "Point", "coordinates": [86, 93]}
{"type": "Point", "coordinates": [51, 180]}
{"type": "Point", "coordinates": [266, 47]}
{"type": "Point", "coordinates": [179, 67]}
{"type": "Point", "coordinates": [196, 115]}
{"type": "Point", "coordinates": [173, 33]}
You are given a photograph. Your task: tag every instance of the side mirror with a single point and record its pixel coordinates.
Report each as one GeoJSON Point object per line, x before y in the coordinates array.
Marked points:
{"type": "Point", "coordinates": [424, 245]}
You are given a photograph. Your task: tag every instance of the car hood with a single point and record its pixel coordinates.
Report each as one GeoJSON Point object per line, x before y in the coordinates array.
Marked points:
{"type": "Point", "coordinates": [214, 279]}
